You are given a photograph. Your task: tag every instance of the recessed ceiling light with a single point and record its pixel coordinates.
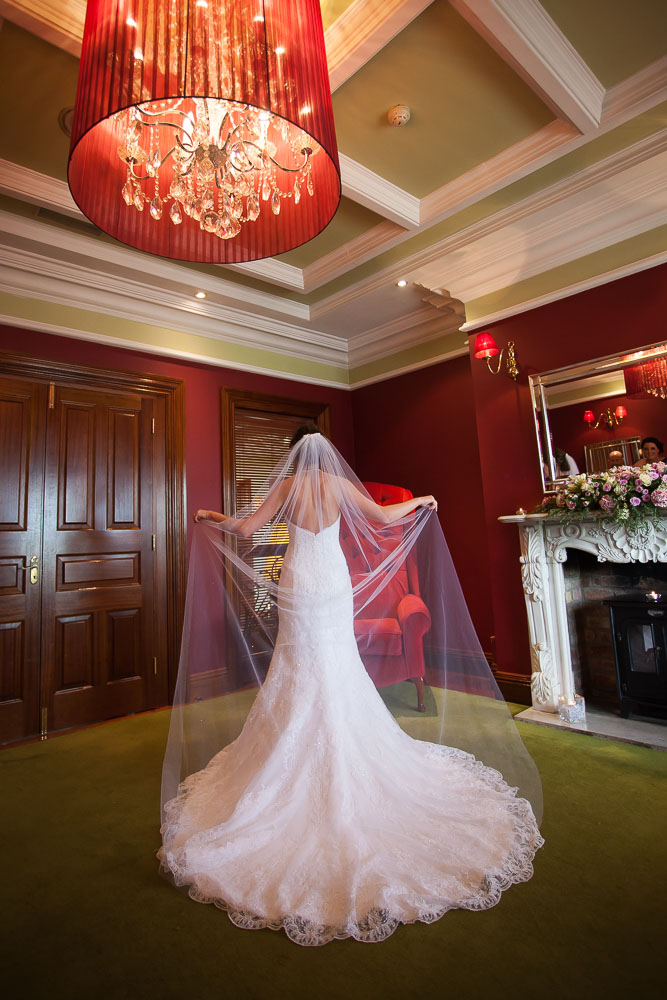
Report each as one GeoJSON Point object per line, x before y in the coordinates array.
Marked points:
{"type": "Point", "coordinates": [401, 283]}
{"type": "Point", "coordinates": [200, 295]}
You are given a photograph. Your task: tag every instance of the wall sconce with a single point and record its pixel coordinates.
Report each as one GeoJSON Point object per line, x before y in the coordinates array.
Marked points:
{"type": "Point", "coordinates": [486, 347]}
{"type": "Point", "coordinates": [608, 418]}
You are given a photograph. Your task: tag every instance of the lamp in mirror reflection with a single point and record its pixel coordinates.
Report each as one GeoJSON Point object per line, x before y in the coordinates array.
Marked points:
{"type": "Point", "coordinates": [607, 418]}
{"type": "Point", "coordinates": [204, 131]}
{"type": "Point", "coordinates": [486, 348]}
{"type": "Point", "coordinates": [647, 379]}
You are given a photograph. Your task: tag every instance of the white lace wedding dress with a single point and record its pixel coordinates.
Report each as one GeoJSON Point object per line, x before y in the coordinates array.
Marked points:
{"type": "Point", "coordinates": [324, 817]}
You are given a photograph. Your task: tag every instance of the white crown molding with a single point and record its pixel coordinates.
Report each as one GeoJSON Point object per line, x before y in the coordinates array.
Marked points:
{"type": "Point", "coordinates": [592, 217]}
{"type": "Point", "coordinates": [275, 271]}
{"type": "Point", "coordinates": [566, 291]}
{"type": "Point", "coordinates": [362, 30]}
{"type": "Point", "coordinates": [640, 92]}
{"type": "Point", "coordinates": [169, 352]}
{"type": "Point", "coordinates": [513, 163]}
{"type": "Point", "coordinates": [352, 254]}
{"type": "Point", "coordinates": [148, 264]}
{"type": "Point", "coordinates": [525, 36]}
{"type": "Point", "coordinates": [377, 193]}
{"type": "Point", "coordinates": [56, 22]}
{"type": "Point", "coordinates": [412, 330]}
{"type": "Point", "coordinates": [505, 220]}
{"type": "Point", "coordinates": [38, 189]}
{"type": "Point", "coordinates": [33, 275]}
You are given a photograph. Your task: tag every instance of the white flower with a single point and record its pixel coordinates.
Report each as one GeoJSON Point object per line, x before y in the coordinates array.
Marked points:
{"type": "Point", "coordinates": [645, 478]}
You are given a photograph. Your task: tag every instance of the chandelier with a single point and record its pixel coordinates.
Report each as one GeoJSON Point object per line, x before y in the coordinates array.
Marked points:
{"type": "Point", "coordinates": [203, 130]}
{"type": "Point", "coordinates": [647, 379]}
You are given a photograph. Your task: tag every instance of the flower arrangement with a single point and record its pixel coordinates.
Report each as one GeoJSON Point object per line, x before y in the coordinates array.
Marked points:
{"type": "Point", "coordinates": [622, 493]}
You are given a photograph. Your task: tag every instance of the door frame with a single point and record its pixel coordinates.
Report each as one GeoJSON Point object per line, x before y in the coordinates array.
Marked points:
{"type": "Point", "coordinates": [171, 531]}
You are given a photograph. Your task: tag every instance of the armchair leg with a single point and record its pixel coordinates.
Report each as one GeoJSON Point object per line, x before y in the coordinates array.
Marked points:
{"type": "Point", "coordinates": [419, 684]}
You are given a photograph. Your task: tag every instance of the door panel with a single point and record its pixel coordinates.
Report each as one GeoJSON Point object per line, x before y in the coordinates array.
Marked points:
{"type": "Point", "coordinates": [22, 408]}
{"type": "Point", "coordinates": [97, 649]}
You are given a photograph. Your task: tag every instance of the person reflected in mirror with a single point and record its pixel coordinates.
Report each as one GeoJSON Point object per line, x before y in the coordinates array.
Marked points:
{"type": "Point", "coordinates": [615, 459]}
{"type": "Point", "coordinates": [565, 464]}
{"type": "Point", "coordinates": [652, 450]}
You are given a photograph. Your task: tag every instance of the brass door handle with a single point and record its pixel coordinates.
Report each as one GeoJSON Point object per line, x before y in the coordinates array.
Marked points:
{"type": "Point", "coordinates": [34, 569]}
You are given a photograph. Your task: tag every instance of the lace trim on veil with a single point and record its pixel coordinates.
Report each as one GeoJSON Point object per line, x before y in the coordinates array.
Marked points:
{"type": "Point", "coordinates": [379, 923]}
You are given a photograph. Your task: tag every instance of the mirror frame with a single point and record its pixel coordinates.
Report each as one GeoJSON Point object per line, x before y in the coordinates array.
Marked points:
{"type": "Point", "coordinates": [572, 373]}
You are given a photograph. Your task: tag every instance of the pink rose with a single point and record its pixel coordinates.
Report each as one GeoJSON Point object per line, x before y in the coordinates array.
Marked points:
{"type": "Point", "coordinates": [607, 503]}
{"type": "Point", "coordinates": [659, 497]}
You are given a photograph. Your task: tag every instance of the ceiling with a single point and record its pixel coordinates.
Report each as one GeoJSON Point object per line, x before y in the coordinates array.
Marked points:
{"type": "Point", "coordinates": [533, 166]}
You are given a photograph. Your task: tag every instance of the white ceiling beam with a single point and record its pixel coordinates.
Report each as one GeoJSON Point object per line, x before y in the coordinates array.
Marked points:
{"type": "Point", "coordinates": [377, 193]}
{"type": "Point", "coordinates": [362, 30]}
{"type": "Point", "coordinates": [56, 21]}
{"type": "Point", "coordinates": [527, 38]}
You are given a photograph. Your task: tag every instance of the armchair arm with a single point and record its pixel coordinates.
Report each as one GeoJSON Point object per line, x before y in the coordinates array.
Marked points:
{"type": "Point", "coordinates": [413, 615]}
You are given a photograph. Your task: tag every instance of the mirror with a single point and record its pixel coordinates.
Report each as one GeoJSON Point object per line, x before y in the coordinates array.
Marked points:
{"type": "Point", "coordinates": [585, 415]}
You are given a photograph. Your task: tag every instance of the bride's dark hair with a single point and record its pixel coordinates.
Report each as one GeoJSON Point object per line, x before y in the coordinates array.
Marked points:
{"type": "Point", "coordinates": [300, 432]}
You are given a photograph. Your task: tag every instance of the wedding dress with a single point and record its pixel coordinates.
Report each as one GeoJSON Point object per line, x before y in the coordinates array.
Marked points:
{"type": "Point", "coordinates": [323, 816]}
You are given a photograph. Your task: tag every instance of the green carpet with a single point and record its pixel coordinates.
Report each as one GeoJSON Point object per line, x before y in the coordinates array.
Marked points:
{"type": "Point", "coordinates": [86, 915]}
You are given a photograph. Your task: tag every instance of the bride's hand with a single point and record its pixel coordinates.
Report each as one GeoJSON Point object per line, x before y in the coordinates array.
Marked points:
{"type": "Point", "coordinates": [429, 502]}
{"type": "Point", "coordinates": [200, 515]}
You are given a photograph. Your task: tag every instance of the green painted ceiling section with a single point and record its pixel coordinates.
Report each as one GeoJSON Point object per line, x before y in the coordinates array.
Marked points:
{"type": "Point", "coordinates": [615, 37]}
{"type": "Point", "coordinates": [332, 9]}
{"type": "Point", "coordinates": [351, 220]}
{"type": "Point", "coordinates": [567, 165]}
{"type": "Point", "coordinates": [467, 104]}
{"type": "Point", "coordinates": [29, 66]}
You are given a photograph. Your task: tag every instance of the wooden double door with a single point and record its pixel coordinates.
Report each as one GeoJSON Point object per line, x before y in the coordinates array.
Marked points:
{"type": "Point", "coordinates": [84, 606]}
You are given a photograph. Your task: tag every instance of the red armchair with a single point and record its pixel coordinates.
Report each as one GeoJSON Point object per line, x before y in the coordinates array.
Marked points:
{"type": "Point", "coordinates": [389, 631]}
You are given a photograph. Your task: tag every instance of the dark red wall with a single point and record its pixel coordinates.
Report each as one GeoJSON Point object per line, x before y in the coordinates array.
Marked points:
{"type": "Point", "coordinates": [453, 429]}
{"type": "Point", "coordinates": [418, 431]}
{"type": "Point", "coordinates": [610, 319]}
{"type": "Point", "coordinates": [202, 399]}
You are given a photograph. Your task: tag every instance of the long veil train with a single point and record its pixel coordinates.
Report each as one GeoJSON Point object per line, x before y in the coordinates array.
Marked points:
{"type": "Point", "coordinates": [294, 794]}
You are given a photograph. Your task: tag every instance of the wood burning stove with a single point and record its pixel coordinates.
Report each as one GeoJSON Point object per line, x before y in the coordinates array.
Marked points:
{"type": "Point", "coordinates": [639, 630]}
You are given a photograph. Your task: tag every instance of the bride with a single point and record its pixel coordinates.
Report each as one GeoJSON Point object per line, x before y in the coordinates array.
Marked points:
{"type": "Point", "coordinates": [302, 796]}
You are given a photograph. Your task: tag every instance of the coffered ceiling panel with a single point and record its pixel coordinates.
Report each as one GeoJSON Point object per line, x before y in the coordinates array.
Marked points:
{"type": "Point", "coordinates": [532, 166]}
{"type": "Point", "coordinates": [467, 105]}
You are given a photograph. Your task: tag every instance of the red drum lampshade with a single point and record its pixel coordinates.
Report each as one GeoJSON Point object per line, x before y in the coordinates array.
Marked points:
{"type": "Point", "coordinates": [203, 129]}
{"type": "Point", "coordinates": [485, 346]}
{"type": "Point", "coordinates": [589, 416]}
{"type": "Point", "coordinates": [621, 413]}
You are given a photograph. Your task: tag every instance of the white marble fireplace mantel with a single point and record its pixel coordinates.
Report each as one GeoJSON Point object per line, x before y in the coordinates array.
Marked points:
{"type": "Point", "coordinates": [544, 544]}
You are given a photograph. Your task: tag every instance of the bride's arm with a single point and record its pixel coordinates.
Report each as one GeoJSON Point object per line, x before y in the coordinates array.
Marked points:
{"type": "Point", "coordinates": [389, 513]}
{"type": "Point", "coordinates": [247, 526]}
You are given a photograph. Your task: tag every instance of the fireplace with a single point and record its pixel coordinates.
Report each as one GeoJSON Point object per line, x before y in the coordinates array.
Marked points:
{"type": "Point", "coordinates": [589, 587]}
{"type": "Point", "coordinates": [623, 557]}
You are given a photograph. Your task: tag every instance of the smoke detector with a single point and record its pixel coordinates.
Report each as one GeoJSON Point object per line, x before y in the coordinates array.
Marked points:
{"type": "Point", "coordinates": [398, 115]}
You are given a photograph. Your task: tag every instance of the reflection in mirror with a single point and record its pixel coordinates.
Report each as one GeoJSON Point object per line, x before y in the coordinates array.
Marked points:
{"type": "Point", "coordinates": [585, 412]}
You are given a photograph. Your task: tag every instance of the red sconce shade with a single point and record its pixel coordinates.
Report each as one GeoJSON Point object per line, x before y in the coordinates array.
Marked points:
{"type": "Point", "coordinates": [621, 413]}
{"type": "Point", "coordinates": [589, 416]}
{"type": "Point", "coordinates": [182, 174]}
{"type": "Point", "coordinates": [485, 346]}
